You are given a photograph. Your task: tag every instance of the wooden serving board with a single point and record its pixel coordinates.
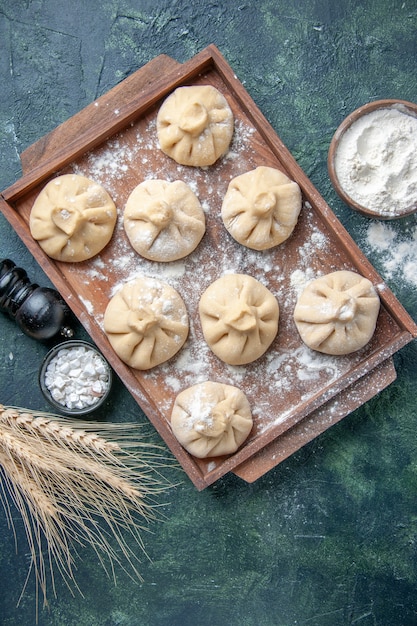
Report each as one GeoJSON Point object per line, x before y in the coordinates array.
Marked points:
{"type": "Point", "coordinates": [295, 393]}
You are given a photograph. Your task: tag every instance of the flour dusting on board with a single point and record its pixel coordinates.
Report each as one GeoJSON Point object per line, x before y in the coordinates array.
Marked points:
{"type": "Point", "coordinates": [289, 373]}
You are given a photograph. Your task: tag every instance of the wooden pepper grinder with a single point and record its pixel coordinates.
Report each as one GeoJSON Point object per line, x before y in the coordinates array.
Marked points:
{"type": "Point", "coordinates": [40, 312]}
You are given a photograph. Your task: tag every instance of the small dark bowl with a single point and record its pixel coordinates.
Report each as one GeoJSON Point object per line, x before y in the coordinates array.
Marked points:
{"type": "Point", "coordinates": [56, 404]}
{"type": "Point", "coordinates": [401, 105]}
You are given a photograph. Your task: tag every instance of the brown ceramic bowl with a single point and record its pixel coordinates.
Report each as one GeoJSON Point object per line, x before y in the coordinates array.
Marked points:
{"type": "Point", "coordinates": [401, 105]}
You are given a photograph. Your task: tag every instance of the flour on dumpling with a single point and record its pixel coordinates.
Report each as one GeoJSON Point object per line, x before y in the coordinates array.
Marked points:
{"type": "Point", "coordinates": [239, 318]}
{"type": "Point", "coordinates": [211, 419]}
{"type": "Point", "coordinates": [337, 313]}
{"type": "Point", "coordinates": [73, 218]}
{"type": "Point", "coordinates": [146, 322]}
{"type": "Point", "coordinates": [261, 208]}
{"type": "Point", "coordinates": [163, 220]}
{"type": "Point", "coordinates": [195, 125]}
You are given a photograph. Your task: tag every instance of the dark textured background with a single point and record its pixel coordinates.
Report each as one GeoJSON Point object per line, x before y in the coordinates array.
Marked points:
{"type": "Point", "coordinates": [328, 538]}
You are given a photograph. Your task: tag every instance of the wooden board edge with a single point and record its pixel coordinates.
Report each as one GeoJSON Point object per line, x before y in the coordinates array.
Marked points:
{"type": "Point", "coordinates": [317, 422]}
{"type": "Point", "coordinates": [123, 116]}
{"type": "Point", "coordinates": [276, 432]}
{"type": "Point", "coordinates": [92, 115]}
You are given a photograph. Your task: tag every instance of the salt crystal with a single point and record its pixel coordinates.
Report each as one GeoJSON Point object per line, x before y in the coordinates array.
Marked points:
{"type": "Point", "coordinates": [59, 382]}
{"type": "Point", "coordinates": [57, 395]}
{"type": "Point", "coordinates": [89, 370]}
{"type": "Point", "coordinates": [100, 368]}
{"type": "Point", "coordinates": [65, 368]}
{"type": "Point", "coordinates": [96, 388]}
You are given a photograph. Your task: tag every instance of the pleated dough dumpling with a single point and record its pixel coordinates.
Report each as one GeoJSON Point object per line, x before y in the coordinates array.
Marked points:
{"type": "Point", "coordinates": [211, 419]}
{"type": "Point", "coordinates": [239, 318]}
{"type": "Point", "coordinates": [261, 208]}
{"type": "Point", "coordinates": [73, 218]}
{"type": "Point", "coordinates": [163, 220]}
{"type": "Point", "coordinates": [337, 313]}
{"type": "Point", "coordinates": [146, 322]}
{"type": "Point", "coordinates": [195, 125]}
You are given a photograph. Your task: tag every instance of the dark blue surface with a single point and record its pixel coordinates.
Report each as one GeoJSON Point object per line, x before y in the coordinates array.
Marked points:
{"type": "Point", "coordinates": [328, 538]}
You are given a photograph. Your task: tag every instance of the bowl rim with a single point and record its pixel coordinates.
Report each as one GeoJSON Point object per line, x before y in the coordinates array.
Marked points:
{"type": "Point", "coordinates": [369, 107]}
{"type": "Point", "coordinates": [45, 391]}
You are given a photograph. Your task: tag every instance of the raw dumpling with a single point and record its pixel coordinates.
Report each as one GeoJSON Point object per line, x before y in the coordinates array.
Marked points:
{"type": "Point", "coordinates": [239, 317]}
{"type": "Point", "coordinates": [73, 218]}
{"type": "Point", "coordinates": [195, 125]}
{"type": "Point", "coordinates": [337, 313]}
{"type": "Point", "coordinates": [211, 419]}
{"type": "Point", "coordinates": [164, 220]}
{"type": "Point", "coordinates": [146, 322]}
{"type": "Point", "coordinates": [261, 208]}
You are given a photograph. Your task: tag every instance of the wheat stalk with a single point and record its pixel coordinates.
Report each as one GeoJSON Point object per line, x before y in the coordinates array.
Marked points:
{"type": "Point", "coordinates": [75, 484]}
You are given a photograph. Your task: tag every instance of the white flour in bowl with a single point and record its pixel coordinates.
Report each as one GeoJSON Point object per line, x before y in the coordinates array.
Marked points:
{"type": "Point", "coordinates": [376, 161]}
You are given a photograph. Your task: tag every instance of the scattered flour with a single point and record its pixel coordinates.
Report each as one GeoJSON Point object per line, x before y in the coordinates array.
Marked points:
{"type": "Point", "coordinates": [87, 304]}
{"type": "Point", "coordinates": [299, 279]}
{"type": "Point", "coordinates": [290, 373]}
{"type": "Point", "coordinates": [397, 252]}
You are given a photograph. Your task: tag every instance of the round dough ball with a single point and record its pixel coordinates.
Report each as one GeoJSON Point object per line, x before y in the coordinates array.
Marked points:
{"type": "Point", "coordinates": [337, 313]}
{"type": "Point", "coordinates": [261, 208]}
{"type": "Point", "coordinates": [239, 317]}
{"type": "Point", "coordinates": [164, 220]}
{"type": "Point", "coordinates": [211, 419]}
{"type": "Point", "coordinates": [73, 218]}
{"type": "Point", "coordinates": [195, 125]}
{"type": "Point", "coordinates": [146, 322]}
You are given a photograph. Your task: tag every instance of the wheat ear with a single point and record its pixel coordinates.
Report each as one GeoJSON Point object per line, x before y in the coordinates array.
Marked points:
{"type": "Point", "coordinates": [73, 484]}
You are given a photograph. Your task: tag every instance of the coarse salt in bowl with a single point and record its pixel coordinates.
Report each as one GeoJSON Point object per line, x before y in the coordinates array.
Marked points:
{"type": "Point", "coordinates": [75, 378]}
{"type": "Point", "coordinates": [372, 159]}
